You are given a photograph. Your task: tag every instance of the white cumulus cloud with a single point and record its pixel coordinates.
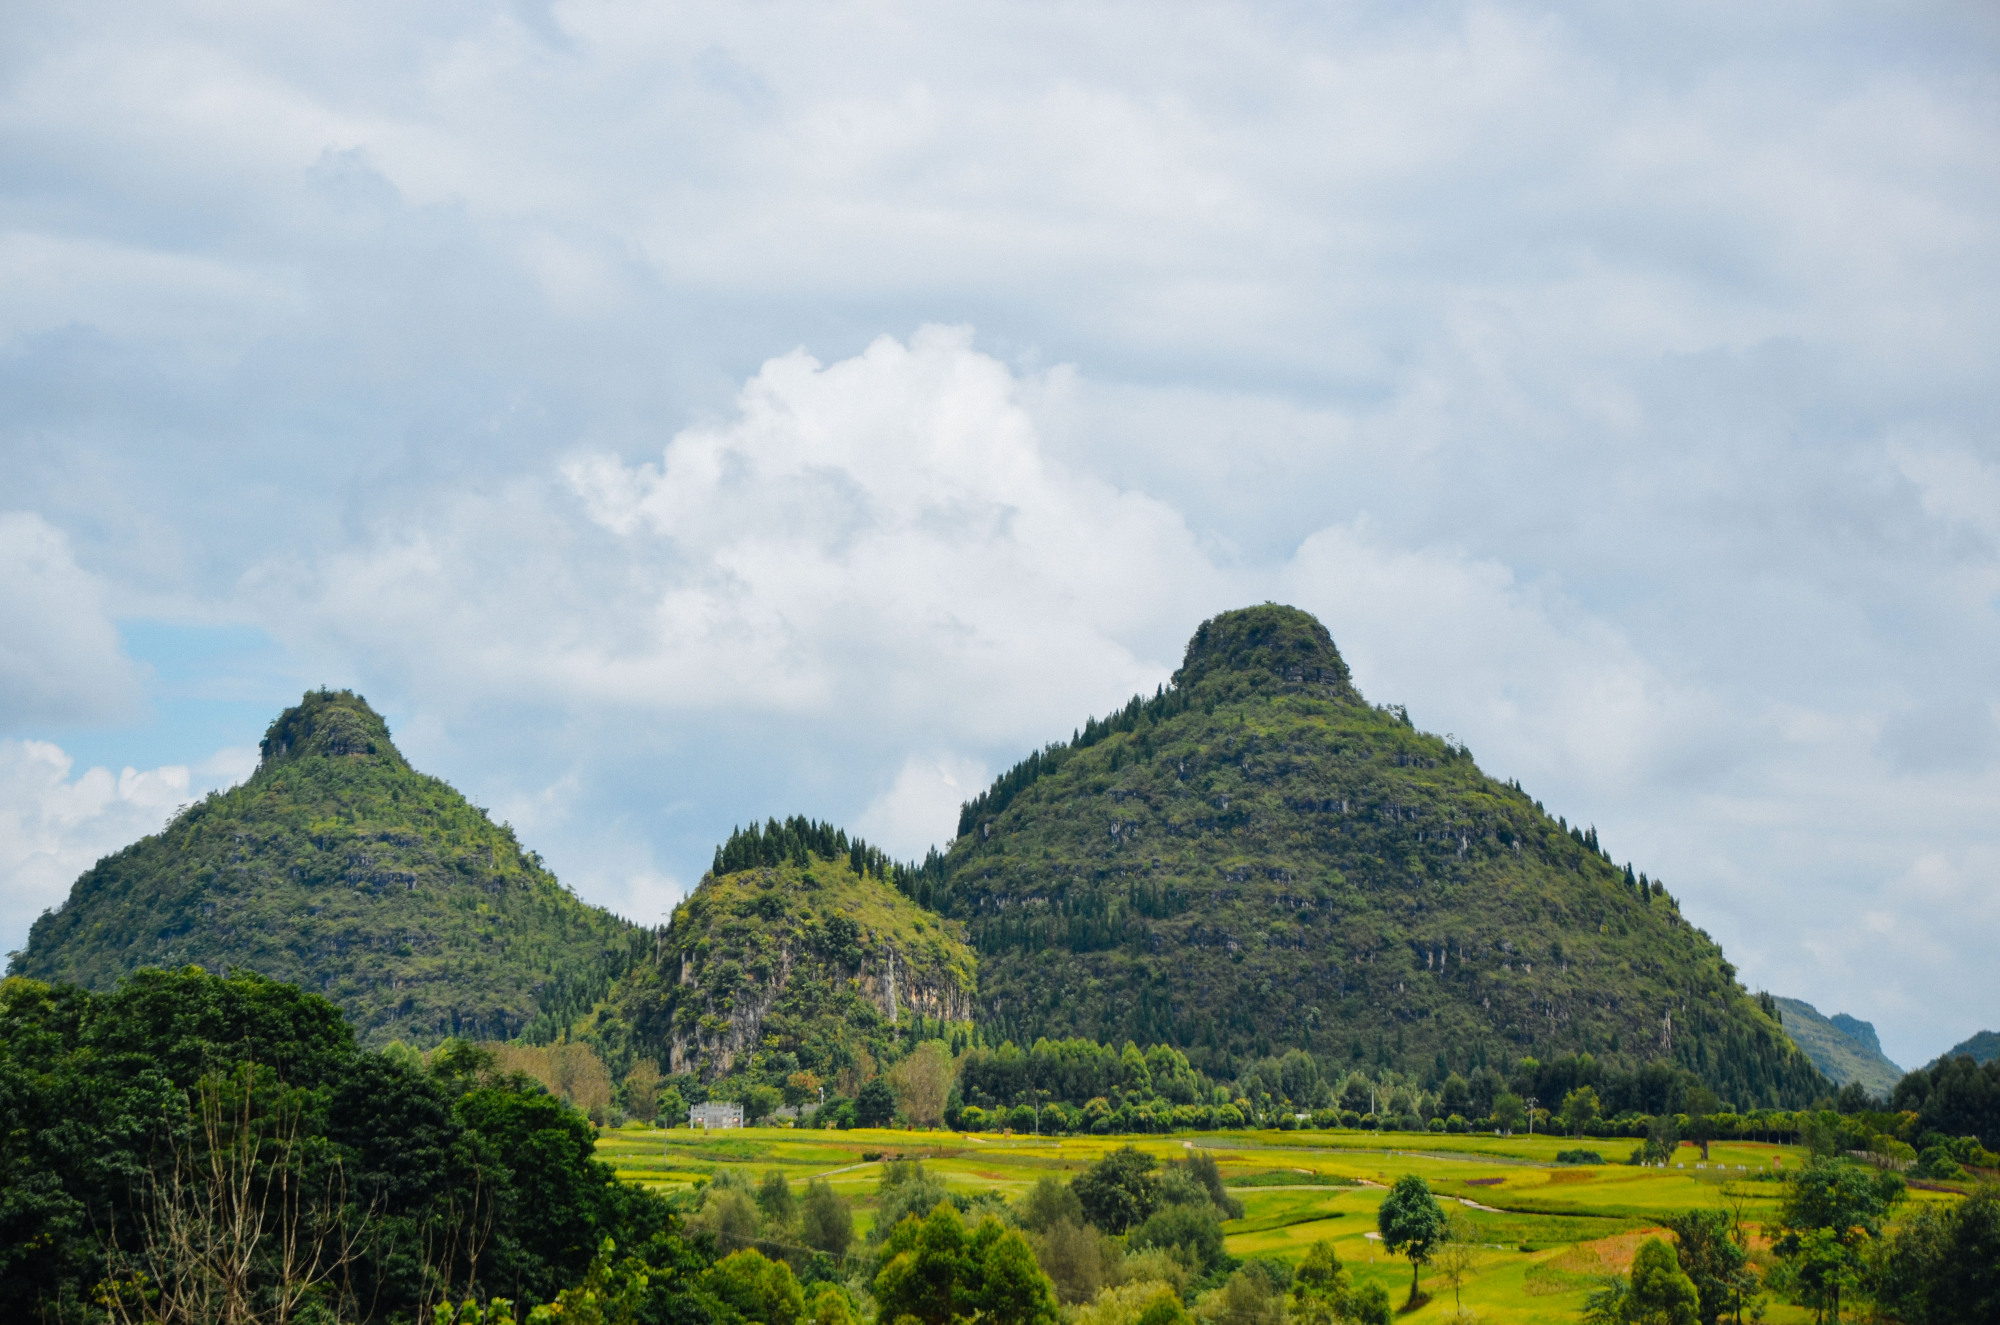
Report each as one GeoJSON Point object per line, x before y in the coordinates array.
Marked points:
{"type": "Point", "coordinates": [60, 659]}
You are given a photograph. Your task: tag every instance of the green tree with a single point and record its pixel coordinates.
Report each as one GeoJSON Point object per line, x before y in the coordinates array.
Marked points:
{"type": "Point", "coordinates": [609, 1294]}
{"type": "Point", "coordinates": [1607, 1305]}
{"type": "Point", "coordinates": [1321, 1287]}
{"type": "Point", "coordinates": [1580, 1108]}
{"type": "Point", "coordinates": [1202, 1168]}
{"type": "Point", "coordinates": [935, 1272]}
{"type": "Point", "coordinates": [1827, 1269]}
{"type": "Point", "coordinates": [640, 1091]}
{"type": "Point", "coordinates": [1119, 1190]}
{"type": "Point", "coordinates": [1661, 1293]}
{"type": "Point", "coordinates": [922, 1082]}
{"type": "Point", "coordinates": [1050, 1201]}
{"type": "Point", "coordinates": [1072, 1254]}
{"type": "Point", "coordinates": [1509, 1112]}
{"type": "Point", "coordinates": [875, 1105]}
{"type": "Point", "coordinates": [1191, 1232]}
{"type": "Point", "coordinates": [755, 1289]}
{"type": "Point", "coordinates": [1714, 1259]}
{"type": "Point", "coordinates": [1662, 1139]}
{"type": "Point", "coordinates": [1832, 1213]}
{"type": "Point", "coordinates": [728, 1215]}
{"type": "Point", "coordinates": [1370, 1305]}
{"type": "Point", "coordinates": [905, 1190]}
{"type": "Point", "coordinates": [825, 1222]}
{"type": "Point", "coordinates": [1012, 1289]}
{"type": "Point", "coordinates": [830, 1304]}
{"type": "Point", "coordinates": [1411, 1222]}
{"type": "Point", "coordinates": [1165, 1311]}
{"type": "Point", "coordinates": [1245, 1298]}
{"type": "Point", "coordinates": [776, 1202]}
{"type": "Point", "coordinates": [1941, 1265]}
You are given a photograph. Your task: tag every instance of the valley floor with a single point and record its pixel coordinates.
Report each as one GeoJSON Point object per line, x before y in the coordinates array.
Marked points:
{"type": "Point", "coordinates": [1548, 1231]}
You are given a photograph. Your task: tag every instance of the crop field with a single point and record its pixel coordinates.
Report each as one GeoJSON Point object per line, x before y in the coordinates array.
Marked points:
{"type": "Point", "coordinates": [1548, 1231]}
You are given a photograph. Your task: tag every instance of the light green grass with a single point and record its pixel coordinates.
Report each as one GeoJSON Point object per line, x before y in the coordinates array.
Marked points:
{"type": "Point", "coordinates": [1539, 1233]}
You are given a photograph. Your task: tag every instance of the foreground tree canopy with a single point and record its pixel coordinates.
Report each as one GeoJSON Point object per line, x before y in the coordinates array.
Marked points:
{"type": "Point", "coordinates": [135, 1124]}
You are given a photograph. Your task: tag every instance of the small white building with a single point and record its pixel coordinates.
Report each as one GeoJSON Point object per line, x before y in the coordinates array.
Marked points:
{"type": "Point", "coordinates": [721, 1113]}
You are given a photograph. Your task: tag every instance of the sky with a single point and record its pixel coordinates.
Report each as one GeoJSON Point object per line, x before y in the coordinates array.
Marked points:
{"type": "Point", "coordinates": [674, 415]}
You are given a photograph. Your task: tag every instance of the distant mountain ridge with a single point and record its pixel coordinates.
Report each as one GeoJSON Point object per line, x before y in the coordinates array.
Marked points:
{"type": "Point", "coordinates": [1255, 859]}
{"type": "Point", "coordinates": [339, 868]}
{"type": "Point", "coordinates": [1981, 1048]}
{"type": "Point", "coordinates": [1843, 1047]}
{"type": "Point", "coordinates": [1857, 1030]}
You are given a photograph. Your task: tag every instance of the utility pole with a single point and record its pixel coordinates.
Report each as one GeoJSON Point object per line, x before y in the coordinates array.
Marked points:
{"type": "Point", "coordinates": [1532, 1102]}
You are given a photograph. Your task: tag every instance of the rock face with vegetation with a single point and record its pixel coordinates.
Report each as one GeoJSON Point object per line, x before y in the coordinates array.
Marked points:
{"type": "Point", "coordinates": [795, 940]}
{"type": "Point", "coordinates": [1255, 858]}
{"type": "Point", "coordinates": [1843, 1047]}
{"type": "Point", "coordinates": [339, 868]}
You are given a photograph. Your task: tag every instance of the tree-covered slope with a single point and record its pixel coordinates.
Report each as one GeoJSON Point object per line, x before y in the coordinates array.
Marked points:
{"type": "Point", "coordinates": [1256, 859]}
{"type": "Point", "coordinates": [1843, 1047]}
{"type": "Point", "coordinates": [339, 868]}
{"type": "Point", "coordinates": [795, 944]}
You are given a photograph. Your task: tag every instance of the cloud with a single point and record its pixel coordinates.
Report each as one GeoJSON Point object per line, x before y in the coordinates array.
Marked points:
{"type": "Point", "coordinates": [884, 538]}
{"type": "Point", "coordinates": [920, 811]}
{"type": "Point", "coordinates": [60, 660]}
{"type": "Point", "coordinates": [1560, 695]}
{"type": "Point", "coordinates": [54, 827]}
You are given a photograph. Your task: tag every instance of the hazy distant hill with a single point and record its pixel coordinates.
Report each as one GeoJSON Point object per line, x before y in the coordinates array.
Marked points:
{"type": "Point", "coordinates": [1843, 1047]}
{"type": "Point", "coordinates": [1256, 859]}
{"type": "Point", "coordinates": [338, 867]}
{"type": "Point", "coordinates": [1981, 1048]}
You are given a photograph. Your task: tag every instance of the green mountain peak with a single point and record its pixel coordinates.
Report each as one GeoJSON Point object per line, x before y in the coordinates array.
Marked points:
{"type": "Point", "coordinates": [1254, 860]}
{"type": "Point", "coordinates": [338, 867]}
{"type": "Point", "coordinates": [330, 724]}
{"type": "Point", "coordinates": [1268, 649]}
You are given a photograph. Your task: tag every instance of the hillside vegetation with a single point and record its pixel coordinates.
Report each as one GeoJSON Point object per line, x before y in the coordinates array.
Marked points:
{"type": "Point", "coordinates": [801, 958]}
{"type": "Point", "coordinates": [339, 868]}
{"type": "Point", "coordinates": [1256, 859]}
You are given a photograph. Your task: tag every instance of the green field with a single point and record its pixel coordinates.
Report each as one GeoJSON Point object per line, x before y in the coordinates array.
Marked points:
{"type": "Point", "coordinates": [1547, 1228]}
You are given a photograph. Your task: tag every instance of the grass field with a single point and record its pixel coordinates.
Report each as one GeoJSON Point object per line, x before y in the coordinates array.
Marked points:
{"type": "Point", "coordinates": [1546, 1229]}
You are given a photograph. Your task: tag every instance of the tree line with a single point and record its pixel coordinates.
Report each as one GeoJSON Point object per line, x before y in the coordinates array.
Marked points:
{"type": "Point", "coordinates": [192, 1147]}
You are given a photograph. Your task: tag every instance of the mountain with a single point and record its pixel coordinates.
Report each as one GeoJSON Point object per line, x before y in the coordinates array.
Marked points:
{"type": "Point", "coordinates": [1857, 1030]}
{"type": "Point", "coordinates": [338, 867]}
{"type": "Point", "coordinates": [795, 943]}
{"type": "Point", "coordinates": [1255, 858]}
{"type": "Point", "coordinates": [1843, 1047]}
{"type": "Point", "coordinates": [1981, 1048]}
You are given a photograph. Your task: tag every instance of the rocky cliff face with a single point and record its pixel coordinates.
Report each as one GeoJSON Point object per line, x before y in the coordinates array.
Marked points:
{"type": "Point", "coordinates": [791, 958]}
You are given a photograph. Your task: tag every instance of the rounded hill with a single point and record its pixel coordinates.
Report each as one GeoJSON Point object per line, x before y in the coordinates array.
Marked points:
{"type": "Point", "coordinates": [796, 945]}
{"type": "Point", "coordinates": [339, 868]}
